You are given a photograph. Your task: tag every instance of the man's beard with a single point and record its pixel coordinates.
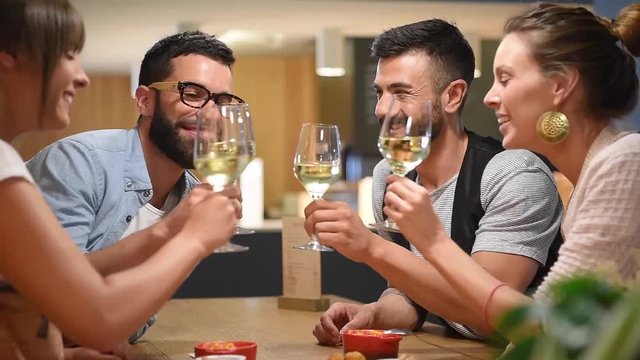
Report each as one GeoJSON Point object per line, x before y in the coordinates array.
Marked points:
{"type": "Point", "coordinates": [436, 118]}
{"type": "Point", "coordinates": [165, 135]}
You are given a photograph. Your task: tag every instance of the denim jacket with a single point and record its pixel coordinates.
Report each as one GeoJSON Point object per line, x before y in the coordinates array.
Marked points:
{"type": "Point", "coordinates": [96, 182]}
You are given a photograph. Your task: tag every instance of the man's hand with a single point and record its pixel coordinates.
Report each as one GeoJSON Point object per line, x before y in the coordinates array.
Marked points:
{"type": "Point", "coordinates": [337, 225]}
{"type": "Point", "coordinates": [343, 316]}
{"type": "Point", "coordinates": [409, 205]}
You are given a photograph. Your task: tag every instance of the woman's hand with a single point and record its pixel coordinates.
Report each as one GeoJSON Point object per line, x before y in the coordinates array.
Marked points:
{"type": "Point", "coordinates": [205, 216]}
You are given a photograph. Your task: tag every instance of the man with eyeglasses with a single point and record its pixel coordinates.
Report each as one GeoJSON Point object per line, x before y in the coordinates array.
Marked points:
{"type": "Point", "coordinates": [104, 185]}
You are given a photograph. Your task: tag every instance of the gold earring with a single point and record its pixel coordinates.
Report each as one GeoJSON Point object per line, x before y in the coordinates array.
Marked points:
{"type": "Point", "coordinates": [552, 127]}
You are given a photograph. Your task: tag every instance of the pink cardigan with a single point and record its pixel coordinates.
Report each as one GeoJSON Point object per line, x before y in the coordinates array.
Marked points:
{"type": "Point", "coordinates": [602, 224]}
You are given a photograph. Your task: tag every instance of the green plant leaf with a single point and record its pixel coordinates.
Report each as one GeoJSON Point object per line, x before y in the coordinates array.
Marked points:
{"type": "Point", "coordinates": [619, 338]}
{"type": "Point", "coordinates": [581, 311]}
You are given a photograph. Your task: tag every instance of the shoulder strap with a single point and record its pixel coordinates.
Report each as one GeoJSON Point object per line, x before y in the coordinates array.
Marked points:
{"type": "Point", "coordinates": [467, 208]}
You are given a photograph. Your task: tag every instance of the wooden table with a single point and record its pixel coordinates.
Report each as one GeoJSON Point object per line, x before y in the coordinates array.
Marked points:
{"type": "Point", "coordinates": [280, 334]}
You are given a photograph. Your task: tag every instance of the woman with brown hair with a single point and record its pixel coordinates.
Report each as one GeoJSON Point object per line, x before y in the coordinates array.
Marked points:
{"type": "Point", "coordinates": [562, 75]}
{"type": "Point", "coordinates": [40, 73]}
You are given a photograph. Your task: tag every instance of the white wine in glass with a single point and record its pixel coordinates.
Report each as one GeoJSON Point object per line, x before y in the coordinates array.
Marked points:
{"type": "Point", "coordinates": [224, 146]}
{"type": "Point", "coordinates": [317, 166]}
{"type": "Point", "coordinates": [405, 138]}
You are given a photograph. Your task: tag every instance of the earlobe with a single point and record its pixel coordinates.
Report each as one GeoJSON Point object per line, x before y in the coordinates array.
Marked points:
{"type": "Point", "coordinates": [7, 60]}
{"type": "Point", "coordinates": [144, 101]}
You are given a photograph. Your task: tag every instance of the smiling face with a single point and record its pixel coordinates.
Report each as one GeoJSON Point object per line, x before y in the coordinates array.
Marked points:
{"type": "Point", "coordinates": [68, 77]}
{"type": "Point", "coordinates": [24, 98]}
{"type": "Point", "coordinates": [519, 95]}
{"type": "Point", "coordinates": [173, 123]}
{"type": "Point", "coordinates": [406, 78]}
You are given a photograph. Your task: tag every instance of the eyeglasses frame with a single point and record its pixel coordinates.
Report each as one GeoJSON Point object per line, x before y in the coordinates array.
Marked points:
{"type": "Point", "coordinates": [179, 86]}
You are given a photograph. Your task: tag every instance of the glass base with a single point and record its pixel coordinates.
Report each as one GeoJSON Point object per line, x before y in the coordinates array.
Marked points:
{"type": "Point", "coordinates": [387, 225]}
{"type": "Point", "coordinates": [243, 231]}
{"type": "Point", "coordinates": [313, 246]}
{"type": "Point", "coordinates": [230, 248]}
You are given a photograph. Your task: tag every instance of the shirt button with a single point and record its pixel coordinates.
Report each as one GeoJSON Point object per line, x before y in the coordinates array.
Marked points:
{"type": "Point", "coordinates": [128, 218]}
{"type": "Point", "coordinates": [129, 184]}
{"type": "Point", "coordinates": [146, 193]}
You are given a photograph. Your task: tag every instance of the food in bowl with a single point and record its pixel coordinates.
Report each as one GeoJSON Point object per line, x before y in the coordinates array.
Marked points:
{"type": "Point", "coordinates": [353, 355]}
{"type": "Point", "coordinates": [373, 344]}
{"type": "Point", "coordinates": [247, 348]}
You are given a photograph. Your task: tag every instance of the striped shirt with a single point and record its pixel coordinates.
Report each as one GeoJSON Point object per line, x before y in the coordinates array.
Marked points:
{"type": "Point", "coordinates": [520, 200]}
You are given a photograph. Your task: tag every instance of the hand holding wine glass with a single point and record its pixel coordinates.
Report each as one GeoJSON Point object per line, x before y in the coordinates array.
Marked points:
{"type": "Point", "coordinates": [224, 146]}
{"type": "Point", "coordinates": [316, 165]}
{"type": "Point", "coordinates": [405, 137]}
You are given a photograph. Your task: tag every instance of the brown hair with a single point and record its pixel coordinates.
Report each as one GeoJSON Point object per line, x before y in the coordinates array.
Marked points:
{"type": "Point", "coordinates": [438, 39]}
{"type": "Point", "coordinates": [602, 50]}
{"type": "Point", "coordinates": [44, 29]}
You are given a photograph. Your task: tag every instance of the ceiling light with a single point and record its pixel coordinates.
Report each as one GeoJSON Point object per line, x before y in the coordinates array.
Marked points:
{"type": "Point", "coordinates": [330, 53]}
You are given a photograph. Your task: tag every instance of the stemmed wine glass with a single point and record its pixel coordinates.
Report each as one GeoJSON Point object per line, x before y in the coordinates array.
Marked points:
{"type": "Point", "coordinates": [224, 146]}
{"type": "Point", "coordinates": [405, 137]}
{"type": "Point", "coordinates": [317, 166]}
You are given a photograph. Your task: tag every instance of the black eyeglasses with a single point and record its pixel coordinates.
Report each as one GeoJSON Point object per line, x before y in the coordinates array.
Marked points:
{"type": "Point", "coordinates": [196, 95]}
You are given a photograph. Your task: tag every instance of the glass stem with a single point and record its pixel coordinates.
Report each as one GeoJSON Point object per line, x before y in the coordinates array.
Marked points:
{"type": "Point", "coordinates": [314, 197]}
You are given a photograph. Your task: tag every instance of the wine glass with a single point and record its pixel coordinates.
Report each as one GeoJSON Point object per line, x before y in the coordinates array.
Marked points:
{"type": "Point", "coordinates": [405, 137]}
{"type": "Point", "coordinates": [317, 166]}
{"type": "Point", "coordinates": [224, 146]}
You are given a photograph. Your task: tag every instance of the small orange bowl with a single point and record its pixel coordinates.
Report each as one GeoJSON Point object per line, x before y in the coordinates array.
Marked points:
{"type": "Point", "coordinates": [373, 344]}
{"type": "Point", "coordinates": [247, 348]}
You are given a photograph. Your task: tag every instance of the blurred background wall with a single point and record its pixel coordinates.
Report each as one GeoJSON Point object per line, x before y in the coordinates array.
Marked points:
{"type": "Point", "coordinates": [280, 84]}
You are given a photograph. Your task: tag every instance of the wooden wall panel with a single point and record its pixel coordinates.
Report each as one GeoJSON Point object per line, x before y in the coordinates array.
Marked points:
{"type": "Point", "coordinates": [336, 102]}
{"type": "Point", "coordinates": [283, 94]}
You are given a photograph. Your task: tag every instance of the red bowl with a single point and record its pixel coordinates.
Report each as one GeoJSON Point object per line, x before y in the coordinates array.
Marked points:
{"type": "Point", "coordinates": [373, 344]}
{"type": "Point", "coordinates": [246, 348]}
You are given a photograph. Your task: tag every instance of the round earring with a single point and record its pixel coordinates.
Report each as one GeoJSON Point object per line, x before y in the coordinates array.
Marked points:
{"type": "Point", "coordinates": [552, 127]}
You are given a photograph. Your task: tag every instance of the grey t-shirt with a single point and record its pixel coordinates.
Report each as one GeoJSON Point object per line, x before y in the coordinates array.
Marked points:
{"type": "Point", "coordinates": [519, 196]}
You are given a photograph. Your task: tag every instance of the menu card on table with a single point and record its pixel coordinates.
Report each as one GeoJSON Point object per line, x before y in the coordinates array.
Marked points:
{"type": "Point", "coordinates": [301, 270]}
